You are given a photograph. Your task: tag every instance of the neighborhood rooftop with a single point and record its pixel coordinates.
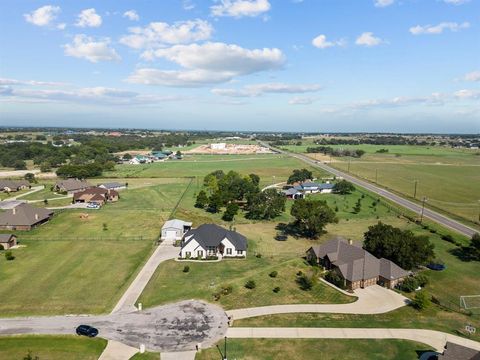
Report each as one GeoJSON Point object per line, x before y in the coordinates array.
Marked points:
{"type": "Point", "coordinates": [212, 235]}
{"type": "Point", "coordinates": [24, 215]}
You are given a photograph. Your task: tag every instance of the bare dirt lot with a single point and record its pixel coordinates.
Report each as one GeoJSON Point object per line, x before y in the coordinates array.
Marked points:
{"type": "Point", "coordinates": [230, 149]}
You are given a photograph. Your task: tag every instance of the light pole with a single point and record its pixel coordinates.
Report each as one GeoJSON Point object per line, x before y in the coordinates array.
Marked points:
{"type": "Point", "coordinates": [424, 200]}
{"type": "Point", "coordinates": [415, 190]}
{"type": "Point", "coordinates": [224, 354]}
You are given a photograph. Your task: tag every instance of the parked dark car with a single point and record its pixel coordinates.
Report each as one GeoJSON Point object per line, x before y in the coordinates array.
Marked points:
{"type": "Point", "coordinates": [87, 330]}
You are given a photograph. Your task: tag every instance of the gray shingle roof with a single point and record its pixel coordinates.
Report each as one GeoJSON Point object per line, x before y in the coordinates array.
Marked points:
{"type": "Point", "coordinates": [112, 185]}
{"type": "Point", "coordinates": [13, 184]}
{"type": "Point", "coordinates": [5, 238]}
{"type": "Point", "coordinates": [356, 263]}
{"type": "Point", "coordinates": [72, 184]}
{"type": "Point", "coordinates": [458, 352]}
{"type": "Point", "coordinates": [212, 235]}
{"type": "Point", "coordinates": [176, 224]}
{"type": "Point", "coordinates": [24, 215]}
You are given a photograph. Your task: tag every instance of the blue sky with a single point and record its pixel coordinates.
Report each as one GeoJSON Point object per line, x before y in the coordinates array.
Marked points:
{"type": "Point", "coordinates": [292, 65]}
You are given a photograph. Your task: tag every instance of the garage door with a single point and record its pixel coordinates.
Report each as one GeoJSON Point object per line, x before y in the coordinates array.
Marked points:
{"type": "Point", "coordinates": [171, 234]}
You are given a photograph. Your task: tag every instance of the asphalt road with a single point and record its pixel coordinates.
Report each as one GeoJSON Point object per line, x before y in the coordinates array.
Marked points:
{"type": "Point", "coordinates": [174, 327]}
{"type": "Point", "coordinates": [427, 213]}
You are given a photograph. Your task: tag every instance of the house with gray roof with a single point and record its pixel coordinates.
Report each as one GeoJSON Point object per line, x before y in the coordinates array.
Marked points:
{"type": "Point", "coordinates": [24, 217]}
{"type": "Point", "coordinates": [13, 185]}
{"type": "Point", "coordinates": [112, 186]}
{"type": "Point", "coordinates": [175, 229]}
{"type": "Point", "coordinates": [356, 266]}
{"type": "Point", "coordinates": [210, 240]}
{"type": "Point", "coordinates": [458, 352]}
{"type": "Point", "coordinates": [7, 241]}
{"type": "Point", "coordinates": [71, 185]}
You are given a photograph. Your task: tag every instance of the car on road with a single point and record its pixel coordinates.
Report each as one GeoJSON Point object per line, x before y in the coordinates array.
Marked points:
{"type": "Point", "coordinates": [86, 330]}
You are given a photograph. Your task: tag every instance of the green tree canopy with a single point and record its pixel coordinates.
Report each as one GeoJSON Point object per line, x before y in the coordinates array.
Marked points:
{"type": "Point", "coordinates": [300, 175]}
{"type": "Point", "coordinates": [343, 187]}
{"type": "Point", "coordinates": [311, 216]}
{"type": "Point", "coordinates": [402, 247]}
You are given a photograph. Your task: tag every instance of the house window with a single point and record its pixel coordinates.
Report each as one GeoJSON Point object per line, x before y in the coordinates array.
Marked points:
{"type": "Point", "coordinates": [200, 253]}
{"type": "Point", "coordinates": [229, 251]}
{"type": "Point", "coordinates": [211, 249]}
{"type": "Point", "coordinates": [239, 252]}
{"type": "Point", "coordinates": [188, 254]}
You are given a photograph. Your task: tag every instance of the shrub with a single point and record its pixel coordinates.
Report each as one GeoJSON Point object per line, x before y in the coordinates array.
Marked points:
{"type": "Point", "coordinates": [250, 284]}
{"type": "Point", "coordinates": [276, 289]}
{"type": "Point", "coordinates": [8, 255]}
{"type": "Point", "coordinates": [217, 296]}
{"type": "Point", "coordinates": [105, 227]}
{"type": "Point", "coordinates": [422, 280]}
{"type": "Point", "coordinates": [421, 300]}
{"type": "Point", "coordinates": [335, 279]}
{"type": "Point", "coordinates": [258, 255]}
{"type": "Point", "coordinates": [409, 284]}
{"type": "Point", "coordinates": [300, 273]}
{"type": "Point", "coordinates": [226, 289]}
{"type": "Point", "coordinates": [304, 282]}
{"type": "Point", "coordinates": [448, 238]}
{"type": "Point", "coordinates": [186, 269]}
{"type": "Point", "coordinates": [273, 274]}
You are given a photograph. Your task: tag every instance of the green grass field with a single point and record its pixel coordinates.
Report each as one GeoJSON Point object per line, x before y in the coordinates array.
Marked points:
{"type": "Point", "coordinates": [293, 349]}
{"type": "Point", "coordinates": [72, 265]}
{"type": "Point", "coordinates": [448, 177]}
{"type": "Point", "coordinates": [51, 347]}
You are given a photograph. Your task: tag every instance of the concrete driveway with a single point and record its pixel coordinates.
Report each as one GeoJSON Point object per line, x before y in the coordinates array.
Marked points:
{"type": "Point", "coordinates": [174, 327]}
{"type": "Point", "coordinates": [371, 300]}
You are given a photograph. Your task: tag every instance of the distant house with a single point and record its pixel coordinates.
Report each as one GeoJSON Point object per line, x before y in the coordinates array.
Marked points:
{"type": "Point", "coordinates": [313, 188]}
{"type": "Point", "coordinates": [24, 217]}
{"type": "Point", "coordinates": [96, 195]}
{"type": "Point", "coordinates": [140, 159]}
{"type": "Point", "coordinates": [71, 185]}
{"type": "Point", "coordinates": [175, 229]}
{"type": "Point", "coordinates": [213, 240]}
{"type": "Point", "coordinates": [7, 241]}
{"type": "Point", "coordinates": [14, 185]}
{"type": "Point", "coordinates": [293, 193]}
{"type": "Point", "coordinates": [112, 186]}
{"type": "Point", "coordinates": [159, 155]}
{"type": "Point", "coordinates": [356, 266]}
{"type": "Point", "coordinates": [458, 352]}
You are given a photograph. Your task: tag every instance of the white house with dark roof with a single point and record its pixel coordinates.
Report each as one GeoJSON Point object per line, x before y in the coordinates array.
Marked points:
{"type": "Point", "coordinates": [210, 240]}
{"type": "Point", "coordinates": [112, 186]}
{"type": "Point", "coordinates": [175, 229]}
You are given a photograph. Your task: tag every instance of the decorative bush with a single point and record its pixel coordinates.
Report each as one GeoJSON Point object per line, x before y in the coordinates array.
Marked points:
{"type": "Point", "coordinates": [273, 274]}
{"type": "Point", "coordinates": [304, 282]}
{"type": "Point", "coordinates": [258, 255]}
{"type": "Point", "coordinates": [227, 289]}
{"type": "Point", "coordinates": [333, 278]}
{"type": "Point", "coordinates": [9, 256]}
{"type": "Point", "coordinates": [186, 269]}
{"type": "Point", "coordinates": [276, 289]}
{"type": "Point", "coordinates": [250, 284]}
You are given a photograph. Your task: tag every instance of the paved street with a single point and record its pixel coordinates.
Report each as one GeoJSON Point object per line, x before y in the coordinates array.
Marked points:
{"type": "Point", "coordinates": [436, 339]}
{"type": "Point", "coordinates": [371, 300]}
{"type": "Point", "coordinates": [174, 327]}
{"type": "Point", "coordinates": [433, 215]}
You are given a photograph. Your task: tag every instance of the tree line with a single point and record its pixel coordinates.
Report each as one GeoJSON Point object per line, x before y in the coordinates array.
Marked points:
{"type": "Point", "coordinates": [327, 150]}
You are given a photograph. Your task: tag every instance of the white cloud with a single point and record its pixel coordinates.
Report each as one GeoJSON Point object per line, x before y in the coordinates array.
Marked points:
{"type": "Point", "coordinates": [467, 94]}
{"type": "Point", "coordinates": [12, 82]}
{"type": "Point", "coordinates": [188, 5]}
{"type": "Point", "coordinates": [157, 34]}
{"type": "Point", "coordinates": [240, 8]}
{"type": "Point", "coordinates": [384, 3]}
{"type": "Point", "coordinates": [473, 76]}
{"type": "Point", "coordinates": [438, 29]}
{"type": "Point", "coordinates": [89, 18]}
{"type": "Point", "coordinates": [268, 88]}
{"type": "Point", "coordinates": [368, 39]}
{"type": "Point", "coordinates": [94, 95]}
{"type": "Point", "coordinates": [131, 15]}
{"type": "Point", "coordinates": [321, 42]}
{"type": "Point", "coordinates": [93, 50]}
{"type": "Point", "coordinates": [456, 2]}
{"type": "Point", "coordinates": [61, 26]}
{"type": "Point", "coordinates": [301, 101]}
{"type": "Point", "coordinates": [43, 16]}
{"type": "Point", "coordinates": [209, 63]}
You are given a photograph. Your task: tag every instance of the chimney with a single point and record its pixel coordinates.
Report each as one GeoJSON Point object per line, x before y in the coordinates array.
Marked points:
{"type": "Point", "coordinates": [36, 216]}
{"type": "Point", "coordinates": [14, 211]}
{"type": "Point", "coordinates": [350, 241]}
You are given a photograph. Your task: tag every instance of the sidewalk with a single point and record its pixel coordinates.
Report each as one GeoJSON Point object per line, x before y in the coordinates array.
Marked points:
{"type": "Point", "coordinates": [436, 339]}
{"type": "Point", "coordinates": [117, 351]}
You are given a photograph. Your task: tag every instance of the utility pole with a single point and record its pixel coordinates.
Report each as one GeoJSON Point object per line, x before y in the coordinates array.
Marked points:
{"type": "Point", "coordinates": [348, 169]}
{"type": "Point", "coordinates": [376, 176]}
{"type": "Point", "coordinates": [424, 199]}
{"type": "Point", "coordinates": [415, 190]}
{"type": "Point", "coordinates": [224, 354]}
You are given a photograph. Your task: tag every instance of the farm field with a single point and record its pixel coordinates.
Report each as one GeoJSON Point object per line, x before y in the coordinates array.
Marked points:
{"type": "Point", "coordinates": [328, 349]}
{"type": "Point", "coordinates": [63, 258]}
{"type": "Point", "coordinates": [266, 166]}
{"type": "Point", "coordinates": [448, 177]}
{"type": "Point", "coordinates": [51, 347]}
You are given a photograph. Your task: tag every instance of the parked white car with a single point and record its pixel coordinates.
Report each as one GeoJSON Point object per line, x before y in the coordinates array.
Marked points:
{"type": "Point", "coordinates": [93, 206]}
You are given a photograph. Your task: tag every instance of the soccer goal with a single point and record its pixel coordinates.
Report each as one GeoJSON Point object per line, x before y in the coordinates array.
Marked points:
{"type": "Point", "coordinates": [469, 302]}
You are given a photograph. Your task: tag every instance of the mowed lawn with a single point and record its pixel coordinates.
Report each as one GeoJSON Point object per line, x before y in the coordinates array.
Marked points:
{"type": "Point", "coordinates": [71, 265]}
{"type": "Point", "coordinates": [325, 349]}
{"type": "Point", "coordinates": [266, 166]}
{"type": "Point", "coordinates": [51, 347]}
